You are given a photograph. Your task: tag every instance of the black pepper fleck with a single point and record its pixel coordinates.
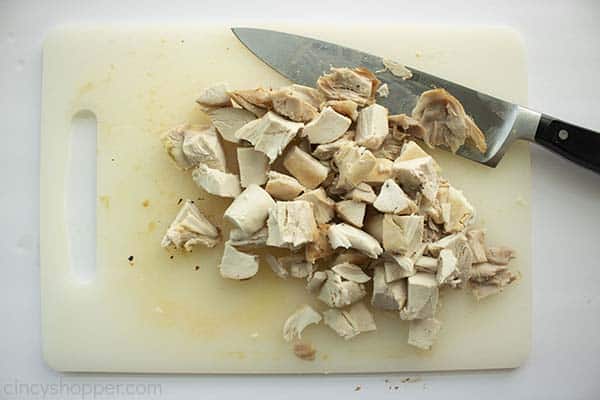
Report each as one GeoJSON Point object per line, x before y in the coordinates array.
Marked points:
{"type": "Point", "coordinates": [179, 201]}
{"type": "Point", "coordinates": [171, 257]}
{"type": "Point", "coordinates": [197, 267]}
{"type": "Point", "coordinates": [130, 258]}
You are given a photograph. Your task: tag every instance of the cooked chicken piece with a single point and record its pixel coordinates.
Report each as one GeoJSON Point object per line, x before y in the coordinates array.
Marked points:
{"type": "Point", "coordinates": [488, 279]}
{"type": "Point", "coordinates": [402, 125]}
{"type": "Point", "coordinates": [277, 267]}
{"type": "Point", "coordinates": [476, 239]}
{"type": "Point", "coordinates": [297, 266]}
{"type": "Point", "coordinates": [189, 228]}
{"type": "Point", "coordinates": [352, 212]}
{"type": "Point", "coordinates": [383, 91]}
{"type": "Point", "coordinates": [271, 134]}
{"type": "Point", "coordinates": [445, 121]}
{"type": "Point", "coordinates": [323, 206]}
{"type": "Point", "coordinates": [447, 271]}
{"type": "Point", "coordinates": [257, 101]}
{"type": "Point", "coordinates": [360, 318]}
{"type": "Point", "coordinates": [388, 296]}
{"type": "Point", "coordinates": [397, 69]}
{"type": "Point", "coordinates": [304, 351]}
{"type": "Point", "coordinates": [253, 166]}
{"type": "Point", "coordinates": [390, 148]}
{"type": "Point", "coordinates": [418, 175]}
{"type": "Point", "coordinates": [392, 199]}
{"type": "Point", "coordinates": [202, 146]}
{"type": "Point", "coordinates": [320, 247]}
{"type": "Point", "coordinates": [296, 102]}
{"type": "Point", "coordinates": [458, 244]}
{"type": "Point", "coordinates": [347, 236]}
{"type": "Point", "coordinates": [422, 333]}
{"type": "Point", "coordinates": [283, 187]}
{"type": "Point", "coordinates": [427, 264]}
{"type": "Point", "coordinates": [326, 151]}
{"type": "Point", "coordinates": [236, 264]}
{"type": "Point", "coordinates": [358, 85]}
{"type": "Point", "coordinates": [298, 321]}
{"type": "Point", "coordinates": [291, 224]}
{"type": "Point", "coordinates": [327, 127]}
{"type": "Point", "coordinates": [354, 163]}
{"type": "Point", "coordinates": [228, 120]}
{"type": "Point", "coordinates": [335, 320]}
{"type": "Point", "coordinates": [374, 225]}
{"type": "Point", "coordinates": [351, 272]}
{"type": "Point", "coordinates": [172, 141]}
{"type": "Point", "coordinates": [382, 171]}
{"type": "Point", "coordinates": [304, 167]}
{"type": "Point", "coordinates": [214, 96]}
{"type": "Point", "coordinates": [216, 182]}
{"type": "Point", "coordinates": [485, 271]}
{"type": "Point", "coordinates": [239, 238]}
{"type": "Point", "coordinates": [411, 150]}
{"type": "Point", "coordinates": [461, 212]}
{"type": "Point", "coordinates": [397, 267]}
{"type": "Point", "coordinates": [344, 107]}
{"type": "Point", "coordinates": [422, 297]}
{"type": "Point", "coordinates": [351, 257]}
{"type": "Point", "coordinates": [499, 255]}
{"type": "Point", "coordinates": [250, 209]}
{"type": "Point", "coordinates": [402, 234]}
{"type": "Point", "coordinates": [372, 126]}
{"type": "Point", "coordinates": [338, 293]}
{"type": "Point", "coordinates": [315, 281]}
{"type": "Point", "coordinates": [363, 193]}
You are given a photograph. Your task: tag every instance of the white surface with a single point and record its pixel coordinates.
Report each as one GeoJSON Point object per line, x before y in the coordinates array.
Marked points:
{"type": "Point", "coordinates": [564, 57]}
{"type": "Point", "coordinates": [162, 315]}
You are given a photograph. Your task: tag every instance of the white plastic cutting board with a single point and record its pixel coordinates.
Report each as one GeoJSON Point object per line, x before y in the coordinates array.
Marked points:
{"type": "Point", "coordinates": [164, 315]}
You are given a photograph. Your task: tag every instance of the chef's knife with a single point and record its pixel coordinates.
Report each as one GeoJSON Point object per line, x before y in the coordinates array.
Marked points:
{"type": "Point", "coordinates": [303, 60]}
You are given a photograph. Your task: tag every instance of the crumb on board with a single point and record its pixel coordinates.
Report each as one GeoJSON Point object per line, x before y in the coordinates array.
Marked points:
{"type": "Point", "coordinates": [146, 203]}
{"type": "Point", "coordinates": [197, 267]}
{"type": "Point", "coordinates": [130, 259]}
{"type": "Point", "coordinates": [305, 351]}
{"type": "Point", "coordinates": [357, 388]}
{"type": "Point", "coordinates": [105, 201]}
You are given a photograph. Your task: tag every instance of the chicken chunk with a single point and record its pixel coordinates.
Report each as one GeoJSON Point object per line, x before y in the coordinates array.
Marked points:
{"type": "Point", "coordinates": [253, 166]}
{"type": "Point", "coordinates": [250, 209]}
{"type": "Point", "coordinates": [388, 296]}
{"type": "Point", "coordinates": [402, 234]}
{"type": "Point", "coordinates": [476, 239]}
{"type": "Point", "coordinates": [228, 120]}
{"type": "Point", "coordinates": [447, 270]}
{"type": "Point", "coordinates": [360, 318]}
{"type": "Point", "coordinates": [315, 281]}
{"type": "Point", "coordinates": [172, 141]}
{"type": "Point", "coordinates": [335, 320]}
{"type": "Point", "coordinates": [347, 236]}
{"type": "Point", "coordinates": [499, 255]}
{"type": "Point", "coordinates": [392, 199]}
{"type": "Point", "coordinates": [354, 164]}
{"type": "Point", "coordinates": [257, 101]}
{"type": "Point", "coordinates": [237, 265]}
{"type": "Point", "coordinates": [239, 238]}
{"type": "Point", "coordinates": [422, 297]}
{"type": "Point", "coordinates": [326, 151]}
{"type": "Point", "coordinates": [352, 212]}
{"type": "Point", "coordinates": [214, 96]}
{"type": "Point", "coordinates": [363, 193]}
{"type": "Point", "coordinates": [461, 212]}
{"type": "Point", "coordinates": [351, 272]}
{"type": "Point", "coordinates": [304, 167]}
{"type": "Point", "coordinates": [202, 146]}
{"type": "Point", "coordinates": [382, 171]}
{"type": "Point", "coordinates": [216, 182]}
{"type": "Point", "coordinates": [397, 267]}
{"type": "Point", "coordinates": [358, 85]}
{"type": "Point", "coordinates": [189, 228]}
{"type": "Point", "coordinates": [446, 123]}
{"type": "Point", "coordinates": [372, 126]}
{"type": "Point", "coordinates": [397, 69]}
{"type": "Point", "coordinates": [344, 107]}
{"type": "Point", "coordinates": [327, 127]}
{"type": "Point", "coordinates": [374, 225]}
{"type": "Point", "coordinates": [383, 91]}
{"type": "Point", "coordinates": [283, 187]}
{"type": "Point", "coordinates": [422, 333]}
{"type": "Point", "coordinates": [296, 102]}
{"type": "Point", "coordinates": [298, 321]}
{"type": "Point", "coordinates": [323, 206]}
{"type": "Point", "coordinates": [291, 224]}
{"type": "Point", "coordinates": [320, 247]}
{"type": "Point", "coordinates": [338, 293]}
{"type": "Point", "coordinates": [418, 175]}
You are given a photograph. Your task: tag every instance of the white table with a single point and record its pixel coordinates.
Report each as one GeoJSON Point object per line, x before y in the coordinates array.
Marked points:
{"type": "Point", "coordinates": [562, 40]}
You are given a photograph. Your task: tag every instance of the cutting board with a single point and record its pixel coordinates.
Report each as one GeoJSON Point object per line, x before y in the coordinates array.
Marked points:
{"type": "Point", "coordinates": [172, 312]}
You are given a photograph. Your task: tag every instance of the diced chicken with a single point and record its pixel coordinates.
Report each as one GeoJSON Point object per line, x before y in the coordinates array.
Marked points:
{"type": "Point", "coordinates": [461, 212]}
{"type": "Point", "coordinates": [304, 167]}
{"type": "Point", "coordinates": [457, 243]}
{"type": "Point", "coordinates": [500, 255]}
{"type": "Point", "coordinates": [422, 333]}
{"type": "Point", "coordinates": [257, 101]}
{"type": "Point", "coordinates": [298, 321]}
{"type": "Point", "coordinates": [323, 206]}
{"type": "Point", "coordinates": [411, 151]}
{"type": "Point", "coordinates": [189, 228]}
{"type": "Point", "coordinates": [383, 91]}
{"type": "Point", "coordinates": [270, 134]}
{"type": "Point", "coordinates": [360, 318]}
{"type": "Point", "coordinates": [402, 234]}
{"type": "Point", "coordinates": [277, 267]}
{"type": "Point", "coordinates": [296, 102]}
{"type": "Point", "coordinates": [397, 267]}
{"type": "Point", "coordinates": [445, 121]}
{"type": "Point", "coordinates": [347, 236]}
{"type": "Point", "coordinates": [239, 238]}
{"type": "Point", "coordinates": [397, 69]}
{"type": "Point", "coordinates": [352, 212]}
{"type": "Point", "coordinates": [344, 107]}
{"type": "Point", "coordinates": [422, 297]}
{"type": "Point", "coordinates": [447, 271]}
{"type": "Point", "coordinates": [297, 266]}
{"type": "Point", "coordinates": [372, 126]}
{"type": "Point", "coordinates": [172, 141]}
{"type": "Point", "coordinates": [291, 224]}
{"type": "Point", "coordinates": [202, 146]}
{"type": "Point", "coordinates": [476, 239]}
{"type": "Point", "coordinates": [338, 293]}
{"type": "Point", "coordinates": [402, 125]}
{"type": "Point", "coordinates": [392, 199]}
{"type": "Point", "coordinates": [351, 257]}
{"type": "Point", "coordinates": [326, 151]}
{"type": "Point", "coordinates": [382, 171]}
{"type": "Point", "coordinates": [426, 264]}
{"type": "Point", "coordinates": [363, 193]}
{"type": "Point", "coordinates": [358, 85]}
{"type": "Point", "coordinates": [335, 320]}
{"type": "Point", "coordinates": [388, 296]}
{"type": "Point", "coordinates": [390, 148]}
{"type": "Point", "coordinates": [418, 175]}
{"type": "Point", "coordinates": [283, 187]}
{"type": "Point", "coordinates": [315, 281]}
{"type": "Point", "coordinates": [250, 209]}
{"type": "Point", "coordinates": [351, 272]}
{"type": "Point", "coordinates": [327, 127]}
{"type": "Point", "coordinates": [485, 271]}
{"type": "Point", "coordinates": [354, 164]}
{"type": "Point", "coordinates": [488, 279]}
{"type": "Point", "coordinates": [320, 247]}
{"type": "Point", "coordinates": [214, 96]}
{"type": "Point", "coordinates": [228, 120]}
{"type": "Point", "coordinates": [237, 265]}
{"type": "Point", "coordinates": [253, 166]}
{"type": "Point", "coordinates": [216, 182]}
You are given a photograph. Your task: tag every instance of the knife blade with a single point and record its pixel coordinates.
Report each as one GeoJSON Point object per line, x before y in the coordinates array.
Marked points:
{"type": "Point", "coordinates": [303, 60]}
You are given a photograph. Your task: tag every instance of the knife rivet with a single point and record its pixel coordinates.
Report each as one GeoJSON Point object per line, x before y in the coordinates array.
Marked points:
{"type": "Point", "coordinates": [563, 134]}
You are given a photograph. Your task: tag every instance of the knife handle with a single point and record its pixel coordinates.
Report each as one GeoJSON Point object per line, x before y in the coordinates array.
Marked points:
{"type": "Point", "coordinates": [580, 145]}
